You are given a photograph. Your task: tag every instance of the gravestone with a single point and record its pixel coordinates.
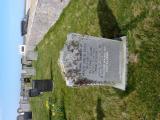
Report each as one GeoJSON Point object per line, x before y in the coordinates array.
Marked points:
{"type": "Point", "coordinates": [26, 62]}
{"type": "Point", "coordinates": [33, 93]}
{"type": "Point", "coordinates": [88, 60]}
{"type": "Point", "coordinates": [25, 107]}
{"type": "Point", "coordinates": [28, 115]}
{"type": "Point", "coordinates": [31, 55]}
{"type": "Point", "coordinates": [25, 116]}
{"type": "Point", "coordinates": [28, 71]}
{"type": "Point", "coordinates": [42, 85]}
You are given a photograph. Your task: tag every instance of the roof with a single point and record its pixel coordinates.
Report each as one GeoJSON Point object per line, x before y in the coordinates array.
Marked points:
{"type": "Point", "coordinates": [24, 24]}
{"type": "Point", "coordinates": [23, 27]}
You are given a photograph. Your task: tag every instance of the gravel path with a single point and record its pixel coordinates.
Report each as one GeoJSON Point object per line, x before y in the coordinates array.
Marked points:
{"type": "Point", "coordinates": [43, 14]}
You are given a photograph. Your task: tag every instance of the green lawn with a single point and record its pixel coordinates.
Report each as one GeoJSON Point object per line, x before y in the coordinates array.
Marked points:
{"type": "Point", "coordinates": [139, 20]}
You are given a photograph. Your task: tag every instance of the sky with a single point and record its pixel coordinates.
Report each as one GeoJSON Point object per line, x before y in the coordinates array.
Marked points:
{"type": "Point", "coordinates": [11, 13]}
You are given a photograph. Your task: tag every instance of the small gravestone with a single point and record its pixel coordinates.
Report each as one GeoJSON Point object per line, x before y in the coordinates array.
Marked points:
{"type": "Point", "coordinates": [88, 60]}
{"type": "Point", "coordinates": [26, 62]}
{"type": "Point", "coordinates": [24, 106]}
{"type": "Point", "coordinates": [28, 115]}
{"type": "Point", "coordinates": [25, 116]}
{"type": "Point", "coordinates": [31, 55]}
{"type": "Point", "coordinates": [28, 71]}
{"type": "Point", "coordinates": [20, 117]}
{"type": "Point", "coordinates": [42, 85]}
{"type": "Point", "coordinates": [33, 93]}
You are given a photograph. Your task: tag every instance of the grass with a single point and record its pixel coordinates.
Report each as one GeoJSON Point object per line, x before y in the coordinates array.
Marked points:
{"type": "Point", "coordinates": [139, 21]}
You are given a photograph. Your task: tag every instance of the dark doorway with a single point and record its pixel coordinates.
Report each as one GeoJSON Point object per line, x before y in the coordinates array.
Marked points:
{"type": "Point", "coordinates": [99, 110]}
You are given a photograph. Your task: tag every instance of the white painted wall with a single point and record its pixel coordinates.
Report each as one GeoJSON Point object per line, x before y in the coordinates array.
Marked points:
{"type": "Point", "coordinates": [27, 5]}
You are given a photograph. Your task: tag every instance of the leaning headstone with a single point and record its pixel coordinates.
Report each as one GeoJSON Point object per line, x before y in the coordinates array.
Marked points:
{"type": "Point", "coordinates": [88, 60]}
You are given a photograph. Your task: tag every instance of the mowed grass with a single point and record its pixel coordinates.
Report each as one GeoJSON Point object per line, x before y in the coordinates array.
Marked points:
{"type": "Point", "coordinates": [139, 20]}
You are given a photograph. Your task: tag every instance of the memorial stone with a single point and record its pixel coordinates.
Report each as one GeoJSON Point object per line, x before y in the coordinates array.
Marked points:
{"type": "Point", "coordinates": [88, 60]}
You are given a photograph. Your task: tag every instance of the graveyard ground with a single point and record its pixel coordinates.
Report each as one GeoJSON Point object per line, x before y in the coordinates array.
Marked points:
{"type": "Point", "coordinates": [137, 19]}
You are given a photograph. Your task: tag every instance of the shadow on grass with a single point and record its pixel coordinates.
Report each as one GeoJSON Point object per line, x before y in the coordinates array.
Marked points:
{"type": "Point", "coordinates": [64, 111]}
{"type": "Point", "coordinates": [107, 21]}
{"type": "Point", "coordinates": [51, 70]}
{"type": "Point", "coordinates": [99, 110]}
{"type": "Point", "coordinates": [110, 29]}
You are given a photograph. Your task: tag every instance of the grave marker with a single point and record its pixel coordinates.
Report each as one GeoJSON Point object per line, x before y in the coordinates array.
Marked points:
{"type": "Point", "coordinates": [88, 60]}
